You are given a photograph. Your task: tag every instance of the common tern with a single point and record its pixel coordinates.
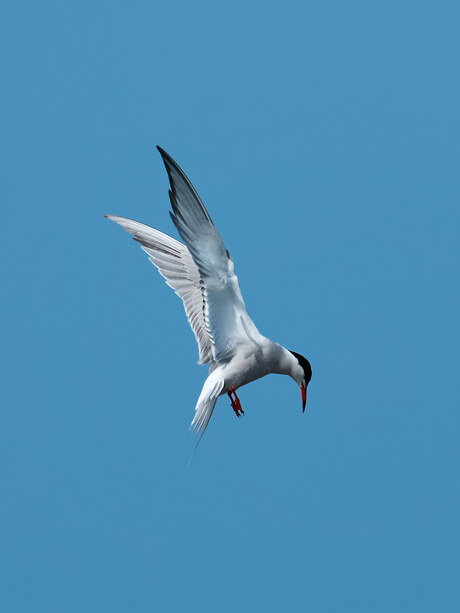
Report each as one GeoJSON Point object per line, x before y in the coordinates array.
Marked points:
{"type": "Point", "coordinates": [202, 273]}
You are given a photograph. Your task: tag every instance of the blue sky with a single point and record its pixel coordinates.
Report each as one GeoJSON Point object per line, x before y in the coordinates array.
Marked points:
{"type": "Point", "coordinates": [324, 139]}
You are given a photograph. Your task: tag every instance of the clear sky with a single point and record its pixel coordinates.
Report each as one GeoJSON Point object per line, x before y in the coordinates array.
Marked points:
{"type": "Point", "coordinates": [324, 139]}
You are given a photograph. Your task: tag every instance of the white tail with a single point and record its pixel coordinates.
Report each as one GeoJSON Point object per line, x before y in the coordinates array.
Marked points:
{"type": "Point", "coordinates": [206, 402]}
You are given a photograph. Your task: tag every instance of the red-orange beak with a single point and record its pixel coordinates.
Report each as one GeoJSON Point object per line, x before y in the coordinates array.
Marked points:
{"type": "Point", "coordinates": [303, 391]}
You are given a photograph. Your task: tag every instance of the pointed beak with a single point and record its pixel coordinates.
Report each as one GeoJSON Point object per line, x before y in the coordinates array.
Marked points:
{"type": "Point", "coordinates": [303, 391]}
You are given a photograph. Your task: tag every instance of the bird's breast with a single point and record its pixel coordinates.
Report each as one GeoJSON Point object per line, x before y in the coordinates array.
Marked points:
{"type": "Point", "coordinates": [248, 366]}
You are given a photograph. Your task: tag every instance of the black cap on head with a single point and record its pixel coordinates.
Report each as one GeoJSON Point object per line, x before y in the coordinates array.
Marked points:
{"type": "Point", "coordinates": [305, 365]}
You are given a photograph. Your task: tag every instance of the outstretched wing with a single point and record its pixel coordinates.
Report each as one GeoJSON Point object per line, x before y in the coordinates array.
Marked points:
{"type": "Point", "coordinates": [227, 320]}
{"type": "Point", "coordinates": [176, 265]}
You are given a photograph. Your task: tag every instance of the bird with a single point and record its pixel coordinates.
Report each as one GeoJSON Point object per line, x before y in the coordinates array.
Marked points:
{"type": "Point", "coordinates": [201, 271]}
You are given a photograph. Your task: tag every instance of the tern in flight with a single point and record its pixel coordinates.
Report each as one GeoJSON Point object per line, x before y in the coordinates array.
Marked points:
{"type": "Point", "coordinates": [202, 273]}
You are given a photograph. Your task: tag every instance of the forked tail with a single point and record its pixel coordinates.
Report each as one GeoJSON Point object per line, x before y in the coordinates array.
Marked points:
{"type": "Point", "coordinates": [205, 406]}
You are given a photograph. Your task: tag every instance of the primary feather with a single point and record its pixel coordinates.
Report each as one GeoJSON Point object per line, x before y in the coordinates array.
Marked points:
{"type": "Point", "coordinates": [175, 263]}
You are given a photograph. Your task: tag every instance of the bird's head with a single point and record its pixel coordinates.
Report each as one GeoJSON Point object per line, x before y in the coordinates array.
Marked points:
{"type": "Point", "coordinates": [302, 375]}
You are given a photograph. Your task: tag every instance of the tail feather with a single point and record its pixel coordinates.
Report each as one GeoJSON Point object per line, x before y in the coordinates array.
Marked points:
{"type": "Point", "coordinates": [205, 406]}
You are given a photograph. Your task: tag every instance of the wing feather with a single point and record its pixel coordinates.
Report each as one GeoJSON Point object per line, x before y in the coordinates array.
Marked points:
{"type": "Point", "coordinates": [175, 263]}
{"type": "Point", "coordinates": [227, 318]}
{"type": "Point", "coordinates": [201, 272]}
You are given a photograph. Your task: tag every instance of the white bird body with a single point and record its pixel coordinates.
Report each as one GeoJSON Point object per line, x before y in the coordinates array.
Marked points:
{"type": "Point", "coordinates": [202, 273]}
{"type": "Point", "coordinates": [254, 361]}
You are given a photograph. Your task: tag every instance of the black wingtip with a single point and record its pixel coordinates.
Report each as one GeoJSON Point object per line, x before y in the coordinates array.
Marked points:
{"type": "Point", "coordinates": [168, 162]}
{"type": "Point", "coordinates": [163, 153]}
{"type": "Point", "coordinates": [173, 168]}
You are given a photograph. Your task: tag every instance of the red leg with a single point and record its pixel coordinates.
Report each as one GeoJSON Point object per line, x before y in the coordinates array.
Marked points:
{"type": "Point", "coordinates": [236, 404]}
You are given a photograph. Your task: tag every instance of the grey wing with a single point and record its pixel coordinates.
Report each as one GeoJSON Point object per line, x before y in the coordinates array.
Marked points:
{"type": "Point", "coordinates": [176, 265]}
{"type": "Point", "coordinates": [229, 324]}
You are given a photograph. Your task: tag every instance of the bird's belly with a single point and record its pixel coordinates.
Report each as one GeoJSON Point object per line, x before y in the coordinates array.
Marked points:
{"type": "Point", "coordinates": [243, 371]}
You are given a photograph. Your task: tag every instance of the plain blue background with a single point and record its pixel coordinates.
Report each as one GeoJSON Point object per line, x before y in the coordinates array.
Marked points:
{"type": "Point", "coordinates": [324, 139]}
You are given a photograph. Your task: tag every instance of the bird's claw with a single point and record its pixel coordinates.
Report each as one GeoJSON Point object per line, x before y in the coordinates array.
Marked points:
{"type": "Point", "coordinates": [238, 410]}
{"type": "Point", "coordinates": [236, 404]}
